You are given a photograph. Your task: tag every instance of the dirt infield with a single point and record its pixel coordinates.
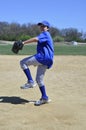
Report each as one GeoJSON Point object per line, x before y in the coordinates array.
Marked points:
{"type": "Point", "coordinates": [66, 86]}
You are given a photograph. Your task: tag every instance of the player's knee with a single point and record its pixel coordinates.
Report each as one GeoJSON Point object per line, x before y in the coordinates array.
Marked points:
{"type": "Point", "coordinates": [39, 82]}
{"type": "Point", "coordinates": [23, 65]}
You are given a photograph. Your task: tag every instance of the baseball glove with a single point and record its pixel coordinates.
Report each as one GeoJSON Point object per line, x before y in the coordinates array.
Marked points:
{"type": "Point", "coordinates": [18, 45]}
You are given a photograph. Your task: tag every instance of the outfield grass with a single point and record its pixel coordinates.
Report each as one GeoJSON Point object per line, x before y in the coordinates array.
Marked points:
{"type": "Point", "coordinates": [59, 50]}
{"type": "Point", "coordinates": [70, 50]}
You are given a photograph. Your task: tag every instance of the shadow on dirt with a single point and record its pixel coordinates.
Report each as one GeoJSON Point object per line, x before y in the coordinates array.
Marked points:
{"type": "Point", "coordinates": [13, 100]}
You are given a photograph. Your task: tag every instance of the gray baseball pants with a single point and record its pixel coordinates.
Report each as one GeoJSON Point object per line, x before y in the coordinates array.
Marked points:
{"type": "Point", "coordinates": [41, 69]}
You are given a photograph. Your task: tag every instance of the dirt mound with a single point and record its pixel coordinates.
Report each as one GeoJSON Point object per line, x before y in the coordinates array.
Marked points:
{"type": "Point", "coordinates": [66, 86]}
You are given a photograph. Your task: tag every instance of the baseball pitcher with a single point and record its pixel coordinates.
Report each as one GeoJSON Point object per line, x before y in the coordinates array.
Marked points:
{"type": "Point", "coordinates": [43, 59]}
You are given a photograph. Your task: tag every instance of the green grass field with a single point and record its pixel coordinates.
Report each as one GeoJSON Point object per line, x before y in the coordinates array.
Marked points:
{"type": "Point", "coordinates": [60, 49]}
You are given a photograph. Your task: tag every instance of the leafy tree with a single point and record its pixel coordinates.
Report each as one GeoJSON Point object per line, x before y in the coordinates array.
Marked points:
{"type": "Point", "coordinates": [58, 39]}
{"type": "Point", "coordinates": [15, 31]}
{"type": "Point", "coordinates": [71, 34]}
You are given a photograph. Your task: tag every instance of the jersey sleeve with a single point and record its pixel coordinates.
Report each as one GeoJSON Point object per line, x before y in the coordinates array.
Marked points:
{"type": "Point", "coordinates": [42, 38]}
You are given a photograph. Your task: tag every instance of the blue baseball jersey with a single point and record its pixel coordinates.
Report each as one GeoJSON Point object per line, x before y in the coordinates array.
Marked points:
{"type": "Point", "coordinates": [45, 49]}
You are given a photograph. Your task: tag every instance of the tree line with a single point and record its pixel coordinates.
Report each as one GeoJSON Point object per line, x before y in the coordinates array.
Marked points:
{"type": "Point", "coordinates": [16, 31]}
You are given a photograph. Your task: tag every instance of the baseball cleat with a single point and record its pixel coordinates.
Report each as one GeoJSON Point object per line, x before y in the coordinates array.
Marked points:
{"type": "Point", "coordinates": [28, 85]}
{"type": "Point", "coordinates": [42, 101]}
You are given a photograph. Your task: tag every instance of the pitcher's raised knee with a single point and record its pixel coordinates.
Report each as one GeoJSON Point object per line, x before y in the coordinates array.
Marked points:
{"type": "Point", "coordinates": [23, 65]}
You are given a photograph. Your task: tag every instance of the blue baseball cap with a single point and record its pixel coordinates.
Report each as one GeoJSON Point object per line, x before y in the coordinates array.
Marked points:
{"type": "Point", "coordinates": [45, 23]}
